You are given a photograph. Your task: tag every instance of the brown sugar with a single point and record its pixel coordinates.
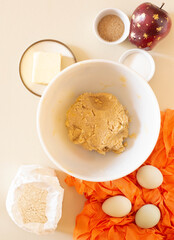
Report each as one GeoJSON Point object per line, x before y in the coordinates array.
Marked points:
{"type": "Point", "coordinates": [111, 28]}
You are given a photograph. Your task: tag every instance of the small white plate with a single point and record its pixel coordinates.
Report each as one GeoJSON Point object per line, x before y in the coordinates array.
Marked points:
{"type": "Point", "coordinates": [26, 62]}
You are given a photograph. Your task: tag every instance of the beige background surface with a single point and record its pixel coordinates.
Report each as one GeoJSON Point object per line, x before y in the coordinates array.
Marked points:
{"type": "Point", "coordinates": [23, 22]}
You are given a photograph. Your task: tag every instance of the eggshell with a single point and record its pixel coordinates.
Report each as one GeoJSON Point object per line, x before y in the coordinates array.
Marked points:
{"type": "Point", "coordinates": [149, 177]}
{"type": "Point", "coordinates": [147, 216]}
{"type": "Point", "coordinates": [117, 206]}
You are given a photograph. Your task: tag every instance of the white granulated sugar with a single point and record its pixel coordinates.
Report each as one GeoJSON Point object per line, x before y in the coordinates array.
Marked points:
{"type": "Point", "coordinates": [139, 63]}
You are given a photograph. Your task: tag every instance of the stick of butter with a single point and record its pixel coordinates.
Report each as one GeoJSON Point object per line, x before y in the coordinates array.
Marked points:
{"type": "Point", "coordinates": [46, 65]}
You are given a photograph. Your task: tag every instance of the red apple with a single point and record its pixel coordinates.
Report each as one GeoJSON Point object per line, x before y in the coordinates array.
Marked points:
{"type": "Point", "coordinates": [149, 24]}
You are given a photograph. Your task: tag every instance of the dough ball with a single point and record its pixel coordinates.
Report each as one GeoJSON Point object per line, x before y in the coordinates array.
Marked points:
{"type": "Point", "coordinates": [99, 122]}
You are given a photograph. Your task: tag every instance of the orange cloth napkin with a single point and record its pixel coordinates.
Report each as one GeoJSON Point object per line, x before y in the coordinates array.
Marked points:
{"type": "Point", "coordinates": [93, 224]}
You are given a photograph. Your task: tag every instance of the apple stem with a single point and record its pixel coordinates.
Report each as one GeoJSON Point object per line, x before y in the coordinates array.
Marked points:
{"type": "Point", "coordinates": [162, 5]}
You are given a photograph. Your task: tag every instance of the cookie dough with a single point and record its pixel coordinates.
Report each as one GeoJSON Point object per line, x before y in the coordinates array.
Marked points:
{"type": "Point", "coordinates": [99, 122]}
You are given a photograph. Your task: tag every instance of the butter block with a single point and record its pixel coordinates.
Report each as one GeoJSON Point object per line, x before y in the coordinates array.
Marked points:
{"type": "Point", "coordinates": [46, 65]}
{"type": "Point", "coordinates": [34, 199]}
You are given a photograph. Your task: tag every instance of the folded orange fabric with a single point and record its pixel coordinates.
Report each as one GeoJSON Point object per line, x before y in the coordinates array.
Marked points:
{"type": "Point", "coordinates": [93, 224]}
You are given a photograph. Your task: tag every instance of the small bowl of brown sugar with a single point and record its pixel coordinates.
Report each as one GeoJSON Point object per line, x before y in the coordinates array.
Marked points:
{"type": "Point", "coordinates": [111, 26]}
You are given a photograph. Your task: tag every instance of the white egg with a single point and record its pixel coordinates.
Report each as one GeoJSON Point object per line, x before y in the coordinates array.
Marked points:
{"type": "Point", "coordinates": [117, 206]}
{"type": "Point", "coordinates": [149, 177]}
{"type": "Point", "coordinates": [147, 216]}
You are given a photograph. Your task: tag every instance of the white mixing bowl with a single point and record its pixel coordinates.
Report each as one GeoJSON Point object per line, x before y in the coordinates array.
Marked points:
{"type": "Point", "coordinates": [98, 76]}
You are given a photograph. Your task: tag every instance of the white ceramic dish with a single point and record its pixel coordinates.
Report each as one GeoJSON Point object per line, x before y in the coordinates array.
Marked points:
{"type": "Point", "coordinates": [119, 13]}
{"type": "Point", "coordinates": [98, 76]}
{"type": "Point", "coordinates": [130, 59]}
